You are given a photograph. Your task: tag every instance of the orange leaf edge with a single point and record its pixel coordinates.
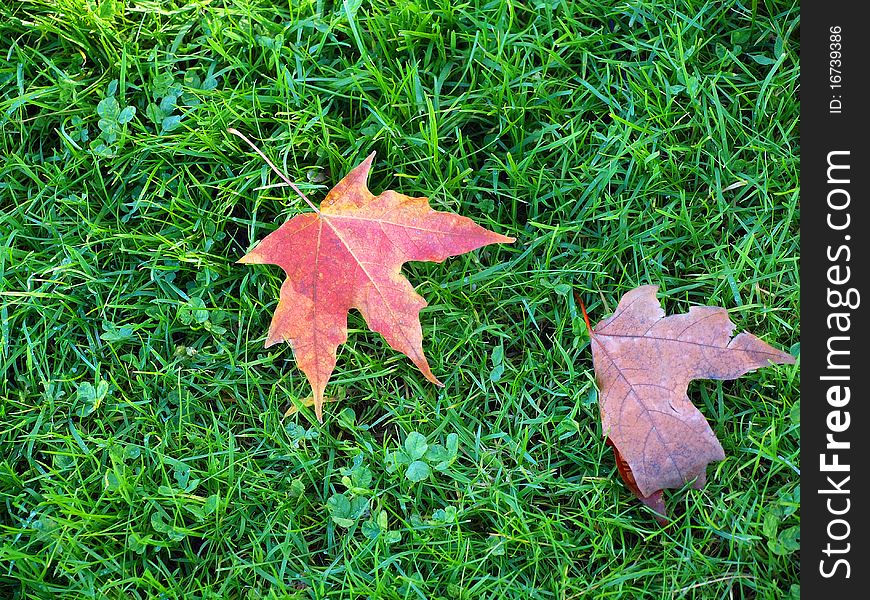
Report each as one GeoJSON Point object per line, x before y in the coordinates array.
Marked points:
{"type": "Point", "coordinates": [655, 501]}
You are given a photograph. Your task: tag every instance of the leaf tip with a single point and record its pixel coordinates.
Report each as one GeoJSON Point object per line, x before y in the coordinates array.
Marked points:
{"type": "Point", "coordinates": [251, 258]}
{"type": "Point", "coordinates": [432, 379]}
{"type": "Point", "coordinates": [787, 359]}
{"type": "Point", "coordinates": [423, 365]}
{"type": "Point", "coordinates": [364, 167]}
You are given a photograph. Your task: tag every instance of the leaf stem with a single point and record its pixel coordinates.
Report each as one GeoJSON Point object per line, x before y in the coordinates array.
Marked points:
{"type": "Point", "coordinates": [286, 179]}
{"type": "Point", "coordinates": [583, 309]}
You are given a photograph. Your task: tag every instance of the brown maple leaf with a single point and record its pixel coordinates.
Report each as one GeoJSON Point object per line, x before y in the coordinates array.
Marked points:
{"type": "Point", "coordinates": [348, 254]}
{"type": "Point", "coordinates": [643, 363]}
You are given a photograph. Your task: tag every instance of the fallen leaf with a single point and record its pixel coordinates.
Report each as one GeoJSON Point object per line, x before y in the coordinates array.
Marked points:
{"type": "Point", "coordinates": [643, 363]}
{"type": "Point", "coordinates": [349, 254]}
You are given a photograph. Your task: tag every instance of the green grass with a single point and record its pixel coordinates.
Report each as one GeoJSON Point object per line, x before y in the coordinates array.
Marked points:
{"type": "Point", "coordinates": [621, 144]}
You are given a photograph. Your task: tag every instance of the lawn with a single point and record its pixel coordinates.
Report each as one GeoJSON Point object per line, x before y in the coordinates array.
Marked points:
{"type": "Point", "coordinates": [144, 446]}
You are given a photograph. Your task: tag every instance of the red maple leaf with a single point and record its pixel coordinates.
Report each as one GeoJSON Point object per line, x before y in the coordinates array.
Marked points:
{"type": "Point", "coordinates": [348, 254]}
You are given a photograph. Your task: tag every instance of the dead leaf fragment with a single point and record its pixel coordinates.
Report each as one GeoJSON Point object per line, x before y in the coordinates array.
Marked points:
{"type": "Point", "coordinates": [643, 363]}
{"type": "Point", "coordinates": [655, 501]}
{"type": "Point", "coordinates": [349, 254]}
